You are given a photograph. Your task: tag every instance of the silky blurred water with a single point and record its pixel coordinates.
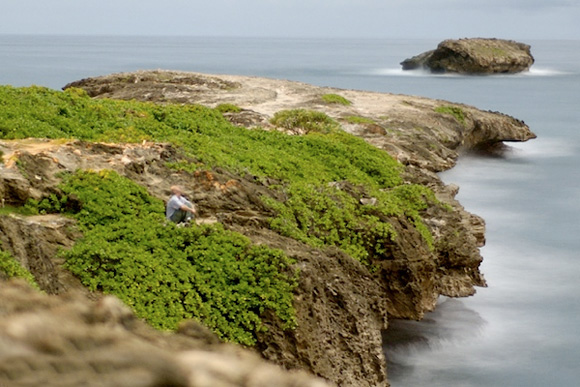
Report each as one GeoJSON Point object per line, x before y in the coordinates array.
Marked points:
{"type": "Point", "coordinates": [522, 330]}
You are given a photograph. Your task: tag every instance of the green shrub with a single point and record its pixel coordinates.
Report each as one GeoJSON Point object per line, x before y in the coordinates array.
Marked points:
{"type": "Point", "coordinates": [325, 215]}
{"type": "Point", "coordinates": [302, 120]}
{"type": "Point", "coordinates": [203, 134]}
{"type": "Point", "coordinates": [228, 108]}
{"type": "Point", "coordinates": [11, 268]}
{"type": "Point", "coordinates": [336, 99]}
{"type": "Point", "coordinates": [168, 274]}
{"type": "Point", "coordinates": [454, 111]}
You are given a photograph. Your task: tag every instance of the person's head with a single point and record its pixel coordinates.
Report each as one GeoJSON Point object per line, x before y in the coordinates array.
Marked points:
{"type": "Point", "coordinates": [176, 190]}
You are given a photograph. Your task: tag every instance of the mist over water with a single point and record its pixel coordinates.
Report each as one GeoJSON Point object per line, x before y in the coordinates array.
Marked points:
{"type": "Point", "coordinates": [522, 330]}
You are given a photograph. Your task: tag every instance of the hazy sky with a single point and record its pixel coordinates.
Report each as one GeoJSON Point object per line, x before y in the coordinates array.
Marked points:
{"type": "Point", "coordinates": [513, 19]}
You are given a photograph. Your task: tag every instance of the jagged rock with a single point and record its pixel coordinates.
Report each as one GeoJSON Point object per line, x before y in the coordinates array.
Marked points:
{"type": "Point", "coordinates": [70, 341]}
{"type": "Point", "coordinates": [474, 56]}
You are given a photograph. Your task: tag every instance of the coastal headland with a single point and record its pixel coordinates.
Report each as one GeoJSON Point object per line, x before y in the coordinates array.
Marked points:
{"type": "Point", "coordinates": [378, 236]}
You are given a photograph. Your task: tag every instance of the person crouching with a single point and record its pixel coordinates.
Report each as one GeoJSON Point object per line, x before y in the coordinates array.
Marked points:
{"type": "Point", "coordinates": [179, 209]}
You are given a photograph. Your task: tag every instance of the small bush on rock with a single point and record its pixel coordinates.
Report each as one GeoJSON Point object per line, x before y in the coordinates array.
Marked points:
{"type": "Point", "coordinates": [304, 121]}
{"type": "Point", "coordinates": [11, 268]}
{"type": "Point", "coordinates": [359, 120]}
{"type": "Point", "coordinates": [228, 108]}
{"type": "Point", "coordinates": [336, 99]}
{"type": "Point", "coordinates": [454, 111]}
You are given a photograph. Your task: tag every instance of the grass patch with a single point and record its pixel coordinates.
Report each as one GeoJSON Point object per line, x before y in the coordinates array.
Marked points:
{"type": "Point", "coordinates": [168, 274]}
{"type": "Point", "coordinates": [326, 215]}
{"type": "Point", "coordinates": [359, 120]}
{"type": "Point", "coordinates": [336, 99]}
{"type": "Point", "coordinates": [454, 111]}
{"type": "Point", "coordinates": [228, 108]}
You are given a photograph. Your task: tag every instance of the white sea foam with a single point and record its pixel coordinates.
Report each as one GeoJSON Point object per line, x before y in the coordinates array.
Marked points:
{"type": "Point", "coordinates": [399, 72]}
{"type": "Point", "coordinates": [543, 72]}
{"type": "Point", "coordinates": [543, 147]}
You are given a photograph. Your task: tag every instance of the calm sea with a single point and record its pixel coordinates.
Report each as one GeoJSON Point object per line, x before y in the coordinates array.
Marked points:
{"type": "Point", "coordinates": [523, 330]}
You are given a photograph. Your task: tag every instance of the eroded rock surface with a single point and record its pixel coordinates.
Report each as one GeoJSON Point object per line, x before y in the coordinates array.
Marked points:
{"type": "Point", "coordinates": [70, 341]}
{"type": "Point", "coordinates": [417, 131]}
{"type": "Point", "coordinates": [474, 56]}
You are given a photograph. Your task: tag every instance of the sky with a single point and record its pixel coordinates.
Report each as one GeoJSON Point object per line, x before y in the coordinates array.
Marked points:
{"type": "Point", "coordinates": [507, 19]}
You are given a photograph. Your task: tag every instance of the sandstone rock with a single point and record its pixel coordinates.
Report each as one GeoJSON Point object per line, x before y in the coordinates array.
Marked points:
{"type": "Point", "coordinates": [71, 341]}
{"type": "Point", "coordinates": [474, 56]}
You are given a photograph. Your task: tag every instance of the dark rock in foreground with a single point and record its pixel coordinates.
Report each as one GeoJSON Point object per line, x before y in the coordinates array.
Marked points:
{"type": "Point", "coordinates": [474, 56]}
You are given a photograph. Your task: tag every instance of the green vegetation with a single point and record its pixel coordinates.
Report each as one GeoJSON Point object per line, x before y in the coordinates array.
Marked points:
{"type": "Point", "coordinates": [327, 215]}
{"type": "Point", "coordinates": [454, 111]}
{"type": "Point", "coordinates": [167, 273]}
{"type": "Point", "coordinates": [336, 99]}
{"type": "Point", "coordinates": [359, 120]}
{"type": "Point", "coordinates": [11, 268]}
{"type": "Point", "coordinates": [228, 108]}
{"type": "Point", "coordinates": [304, 121]}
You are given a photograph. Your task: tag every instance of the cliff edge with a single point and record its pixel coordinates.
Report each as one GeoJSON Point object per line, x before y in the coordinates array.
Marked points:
{"type": "Point", "coordinates": [342, 305]}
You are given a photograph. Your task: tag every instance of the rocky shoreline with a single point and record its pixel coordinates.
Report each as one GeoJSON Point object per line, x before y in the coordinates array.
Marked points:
{"type": "Point", "coordinates": [341, 306]}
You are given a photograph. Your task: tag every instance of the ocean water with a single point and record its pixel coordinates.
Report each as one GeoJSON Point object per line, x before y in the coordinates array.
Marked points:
{"type": "Point", "coordinates": [522, 330]}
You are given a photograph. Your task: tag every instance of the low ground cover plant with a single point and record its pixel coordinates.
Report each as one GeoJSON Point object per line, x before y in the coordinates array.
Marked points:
{"type": "Point", "coordinates": [11, 268]}
{"type": "Point", "coordinates": [454, 111]}
{"type": "Point", "coordinates": [168, 274]}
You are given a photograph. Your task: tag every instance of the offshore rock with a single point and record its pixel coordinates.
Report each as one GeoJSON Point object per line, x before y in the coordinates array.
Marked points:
{"type": "Point", "coordinates": [474, 56]}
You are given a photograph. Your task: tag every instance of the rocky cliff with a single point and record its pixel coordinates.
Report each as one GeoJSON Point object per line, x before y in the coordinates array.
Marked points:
{"type": "Point", "coordinates": [474, 56]}
{"type": "Point", "coordinates": [342, 306]}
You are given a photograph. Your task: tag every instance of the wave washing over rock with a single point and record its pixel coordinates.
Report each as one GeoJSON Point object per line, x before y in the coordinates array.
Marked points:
{"type": "Point", "coordinates": [341, 305]}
